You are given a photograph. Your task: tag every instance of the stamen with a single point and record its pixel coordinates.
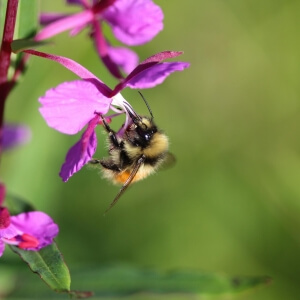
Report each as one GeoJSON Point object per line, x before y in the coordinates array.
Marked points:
{"type": "Point", "coordinates": [118, 100]}
{"type": "Point", "coordinates": [12, 241]}
{"type": "Point", "coordinates": [28, 241]}
{"type": "Point", "coordinates": [107, 120]}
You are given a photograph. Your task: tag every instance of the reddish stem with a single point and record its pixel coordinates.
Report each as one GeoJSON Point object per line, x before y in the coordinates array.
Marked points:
{"type": "Point", "coordinates": [5, 53]}
{"type": "Point", "coordinates": [102, 49]}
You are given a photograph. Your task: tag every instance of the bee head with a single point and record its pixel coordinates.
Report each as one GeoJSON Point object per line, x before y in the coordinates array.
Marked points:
{"type": "Point", "coordinates": [145, 128]}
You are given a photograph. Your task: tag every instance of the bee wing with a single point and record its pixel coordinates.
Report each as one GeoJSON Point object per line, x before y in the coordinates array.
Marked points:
{"type": "Point", "coordinates": [136, 167]}
{"type": "Point", "coordinates": [168, 161]}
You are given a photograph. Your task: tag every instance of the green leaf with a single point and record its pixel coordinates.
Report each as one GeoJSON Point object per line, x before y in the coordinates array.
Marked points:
{"type": "Point", "coordinates": [127, 280]}
{"type": "Point", "coordinates": [120, 281]}
{"type": "Point", "coordinates": [18, 46]}
{"type": "Point", "coordinates": [26, 27]}
{"type": "Point", "coordinates": [48, 263]}
{"type": "Point", "coordinates": [27, 21]}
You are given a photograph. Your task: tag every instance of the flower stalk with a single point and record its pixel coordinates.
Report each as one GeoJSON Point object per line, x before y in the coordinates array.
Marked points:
{"type": "Point", "coordinates": [5, 53]}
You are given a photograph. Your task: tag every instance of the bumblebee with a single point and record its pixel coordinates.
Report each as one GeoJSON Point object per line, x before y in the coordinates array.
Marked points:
{"type": "Point", "coordinates": [139, 152]}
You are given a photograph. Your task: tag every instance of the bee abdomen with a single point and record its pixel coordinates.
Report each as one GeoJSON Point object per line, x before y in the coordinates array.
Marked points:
{"type": "Point", "coordinates": [155, 161]}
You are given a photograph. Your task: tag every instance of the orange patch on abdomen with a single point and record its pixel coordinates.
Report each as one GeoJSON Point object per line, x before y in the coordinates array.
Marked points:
{"type": "Point", "coordinates": [123, 176]}
{"type": "Point", "coordinates": [142, 173]}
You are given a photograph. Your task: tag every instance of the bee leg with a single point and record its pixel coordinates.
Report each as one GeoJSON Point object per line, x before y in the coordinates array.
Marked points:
{"type": "Point", "coordinates": [95, 161]}
{"type": "Point", "coordinates": [107, 164]}
{"type": "Point", "coordinates": [111, 134]}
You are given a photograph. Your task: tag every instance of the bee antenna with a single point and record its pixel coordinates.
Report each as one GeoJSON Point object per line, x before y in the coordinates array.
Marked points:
{"type": "Point", "coordinates": [149, 109]}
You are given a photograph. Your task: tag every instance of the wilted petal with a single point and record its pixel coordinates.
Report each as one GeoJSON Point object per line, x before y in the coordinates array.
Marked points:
{"type": "Point", "coordinates": [71, 105]}
{"type": "Point", "coordinates": [38, 225]}
{"type": "Point", "coordinates": [81, 153]}
{"type": "Point", "coordinates": [125, 58]}
{"type": "Point", "coordinates": [134, 22]}
{"type": "Point", "coordinates": [15, 135]}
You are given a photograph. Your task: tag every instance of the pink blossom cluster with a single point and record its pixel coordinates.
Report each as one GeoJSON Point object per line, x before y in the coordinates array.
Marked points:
{"type": "Point", "coordinates": [28, 231]}
{"type": "Point", "coordinates": [82, 104]}
{"type": "Point", "coordinates": [71, 106]}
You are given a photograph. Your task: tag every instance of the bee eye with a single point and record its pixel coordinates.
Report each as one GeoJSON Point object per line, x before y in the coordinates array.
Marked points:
{"type": "Point", "coordinates": [147, 136]}
{"type": "Point", "coordinates": [146, 133]}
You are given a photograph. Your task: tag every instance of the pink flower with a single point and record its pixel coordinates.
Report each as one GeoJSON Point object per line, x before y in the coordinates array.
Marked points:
{"type": "Point", "coordinates": [28, 231]}
{"type": "Point", "coordinates": [133, 22]}
{"type": "Point", "coordinates": [72, 105]}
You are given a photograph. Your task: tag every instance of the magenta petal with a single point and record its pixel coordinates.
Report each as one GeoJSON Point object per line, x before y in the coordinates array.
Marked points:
{"type": "Point", "coordinates": [124, 58]}
{"type": "Point", "coordinates": [160, 56]}
{"type": "Point", "coordinates": [9, 232]}
{"type": "Point", "coordinates": [76, 68]}
{"type": "Point", "coordinates": [102, 49]}
{"type": "Point", "coordinates": [47, 18]}
{"type": "Point", "coordinates": [153, 60]}
{"type": "Point", "coordinates": [79, 154]}
{"type": "Point", "coordinates": [4, 218]}
{"type": "Point", "coordinates": [76, 30]}
{"type": "Point", "coordinates": [71, 105]}
{"type": "Point", "coordinates": [155, 75]}
{"type": "Point", "coordinates": [134, 22]}
{"type": "Point", "coordinates": [2, 193]}
{"type": "Point", "coordinates": [15, 135]}
{"type": "Point", "coordinates": [37, 224]}
{"type": "Point", "coordinates": [151, 76]}
{"type": "Point", "coordinates": [77, 2]}
{"type": "Point", "coordinates": [64, 24]}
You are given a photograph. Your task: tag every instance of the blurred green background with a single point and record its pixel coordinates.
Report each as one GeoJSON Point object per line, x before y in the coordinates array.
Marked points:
{"type": "Point", "coordinates": [231, 204]}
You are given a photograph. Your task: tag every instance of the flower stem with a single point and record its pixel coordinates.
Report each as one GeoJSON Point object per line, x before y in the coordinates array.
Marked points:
{"type": "Point", "coordinates": [5, 53]}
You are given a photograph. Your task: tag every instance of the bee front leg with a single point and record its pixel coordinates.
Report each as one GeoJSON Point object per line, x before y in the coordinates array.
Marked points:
{"type": "Point", "coordinates": [105, 163]}
{"type": "Point", "coordinates": [95, 161]}
{"type": "Point", "coordinates": [110, 165]}
{"type": "Point", "coordinates": [112, 135]}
